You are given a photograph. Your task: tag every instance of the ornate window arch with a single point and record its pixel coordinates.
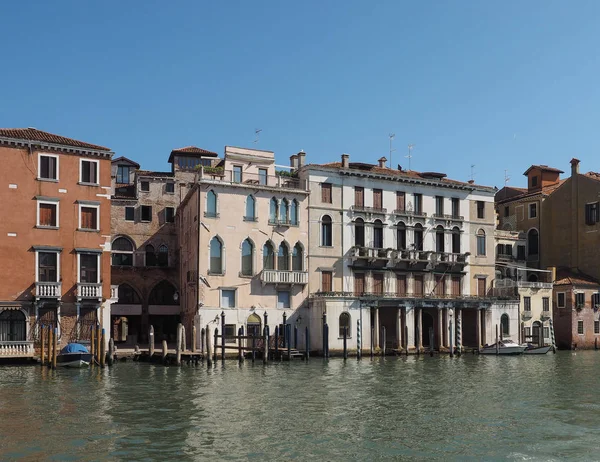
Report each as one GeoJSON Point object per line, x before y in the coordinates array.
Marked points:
{"type": "Point", "coordinates": [122, 251]}
{"type": "Point", "coordinates": [326, 231]}
{"type": "Point", "coordinates": [216, 256]}
{"type": "Point", "coordinates": [247, 257]}
{"type": "Point", "coordinates": [345, 323]}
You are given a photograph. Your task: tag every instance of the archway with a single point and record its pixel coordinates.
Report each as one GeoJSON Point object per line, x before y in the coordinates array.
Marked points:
{"type": "Point", "coordinates": [537, 334]}
{"type": "Point", "coordinates": [12, 326]}
{"type": "Point", "coordinates": [253, 329]}
{"type": "Point", "coordinates": [427, 322]}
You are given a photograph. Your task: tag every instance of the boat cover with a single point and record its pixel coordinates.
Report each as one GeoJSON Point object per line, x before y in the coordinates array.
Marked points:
{"type": "Point", "coordinates": [74, 348]}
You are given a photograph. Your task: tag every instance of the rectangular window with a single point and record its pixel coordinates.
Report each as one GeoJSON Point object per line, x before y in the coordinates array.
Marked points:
{"type": "Point", "coordinates": [237, 173]}
{"type": "Point", "coordinates": [170, 214]}
{"type": "Point", "coordinates": [88, 171]}
{"type": "Point", "coordinates": [283, 299]}
{"type": "Point", "coordinates": [560, 300]}
{"type": "Point", "coordinates": [546, 332]}
{"type": "Point", "coordinates": [129, 213]}
{"type": "Point", "coordinates": [439, 205]}
{"type": "Point", "coordinates": [440, 285]}
{"type": "Point", "coordinates": [48, 167]}
{"type": "Point", "coordinates": [47, 267]}
{"type": "Point", "coordinates": [227, 298]}
{"type": "Point", "coordinates": [527, 303]}
{"type": "Point", "coordinates": [534, 181]}
{"type": "Point", "coordinates": [481, 244]}
{"type": "Point", "coordinates": [378, 283]}
{"type": "Point", "coordinates": [326, 193]}
{"type": "Point", "coordinates": [48, 214]}
{"type": "Point", "coordinates": [595, 300]}
{"type": "Point", "coordinates": [230, 333]}
{"type": "Point", "coordinates": [144, 186]}
{"type": "Point", "coordinates": [580, 300]}
{"type": "Point", "coordinates": [123, 174]}
{"type": "Point", "coordinates": [545, 304]}
{"type": "Point", "coordinates": [455, 207]}
{"type": "Point", "coordinates": [533, 210]}
{"type": "Point", "coordinates": [170, 188]}
{"type": "Point", "coordinates": [359, 196]}
{"type": "Point", "coordinates": [506, 211]}
{"type": "Point", "coordinates": [596, 327]}
{"type": "Point", "coordinates": [400, 201]}
{"type": "Point", "coordinates": [480, 209]}
{"type": "Point", "coordinates": [326, 281]}
{"type": "Point", "coordinates": [592, 214]}
{"type": "Point", "coordinates": [359, 283]}
{"type": "Point", "coordinates": [580, 327]}
{"type": "Point", "coordinates": [456, 285]}
{"type": "Point", "coordinates": [88, 268]}
{"type": "Point", "coordinates": [377, 199]}
{"type": "Point", "coordinates": [146, 212]}
{"type": "Point", "coordinates": [520, 252]}
{"type": "Point", "coordinates": [401, 285]}
{"type": "Point", "coordinates": [481, 287]}
{"type": "Point", "coordinates": [418, 203]}
{"type": "Point", "coordinates": [418, 285]}
{"type": "Point", "coordinates": [88, 217]}
{"type": "Point", "coordinates": [262, 176]}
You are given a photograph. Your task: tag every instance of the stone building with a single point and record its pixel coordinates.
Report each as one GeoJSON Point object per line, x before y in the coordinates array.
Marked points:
{"type": "Point", "coordinates": [403, 250]}
{"type": "Point", "coordinates": [243, 239]}
{"type": "Point", "coordinates": [55, 237]}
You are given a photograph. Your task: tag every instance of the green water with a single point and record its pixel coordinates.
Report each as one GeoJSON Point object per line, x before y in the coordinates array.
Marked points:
{"type": "Point", "coordinates": [472, 408]}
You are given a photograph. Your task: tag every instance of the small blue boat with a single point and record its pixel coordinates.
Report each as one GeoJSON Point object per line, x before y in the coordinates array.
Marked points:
{"type": "Point", "coordinates": [74, 355]}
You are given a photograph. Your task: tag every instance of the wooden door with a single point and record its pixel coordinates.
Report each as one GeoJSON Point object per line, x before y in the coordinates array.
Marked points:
{"type": "Point", "coordinates": [378, 283]}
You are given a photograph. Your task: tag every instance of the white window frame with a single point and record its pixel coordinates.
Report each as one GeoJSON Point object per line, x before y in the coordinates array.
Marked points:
{"type": "Point", "coordinates": [167, 183]}
{"type": "Point", "coordinates": [582, 327]}
{"type": "Point", "coordinates": [37, 264]}
{"type": "Point", "coordinates": [40, 166]}
{"type": "Point", "coordinates": [97, 162]}
{"type": "Point", "coordinates": [125, 215]}
{"type": "Point", "coordinates": [564, 298]}
{"type": "Point", "coordinates": [529, 210]}
{"type": "Point", "coordinates": [97, 207]}
{"type": "Point", "coordinates": [235, 297]}
{"type": "Point", "coordinates": [289, 292]}
{"type": "Point", "coordinates": [97, 267]}
{"type": "Point", "coordinates": [52, 202]}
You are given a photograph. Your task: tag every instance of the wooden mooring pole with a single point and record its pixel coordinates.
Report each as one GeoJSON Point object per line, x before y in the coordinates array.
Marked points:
{"type": "Point", "coordinates": [202, 340]}
{"type": "Point", "coordinates": [276, 342]}
{"type": "Point", "coordinates": [296, 337]}
{"type": "Point", "coordinates": [55, 348]}
{"type": "Point", "coordinates": [288, 335]}
{"type": "Point", "coordinates": [179, 343]}
{"type": "Point", "coordinates": [406, 340]}
{"type": "Point", "coordinates": [450, 338]}
{"type": "Point", "coordinates": [194, 339]}
{"type": "Point", "coordinates": [151, 341]}
{"type": "Point", "coordinates": [327, 341]}
{"type": "Point", "coordinates": [239, 339]}
{"type": "Point", "coordinates": [265, 345]}
{"type": "Point", "coordinates": [111, 352]}
{"type": "Point", "coordinates": [345, 342]}
{"type": "Point", "coordinates": [208, 356]}
{"type": "Point", "coordinates": [165, 350]}
{"type": "Point", "coordinates": [98, 340]}
{"type": "Point", "coordinates": [223, 337]}
{"type": "Point", "coordinates": [372, 342]}
{"type": "Point", "coordinates": [42, 352]}
{"type": "Point", "coordinates": [307, 342]}
{"type": "Point", "coordinates": [497, 341]}
{"type": "Point", "coordinates": [102, 349]}
{"type": "Point", "coordinates": [358, 349]}
{"type": "Point", "coordinates": [50, 343]}
{"type": "Point", "coordinates": [93, 344]}
{"type": "Point", "coordinates": [216, 345]}
{"type": "Point", "coordinates": [383, 341]}
{"type": "Point", "coordinates": [431, 339]}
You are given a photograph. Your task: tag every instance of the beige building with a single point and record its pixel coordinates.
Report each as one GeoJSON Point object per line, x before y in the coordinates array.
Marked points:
{"type": "Point", "coordinates": [243, 237]}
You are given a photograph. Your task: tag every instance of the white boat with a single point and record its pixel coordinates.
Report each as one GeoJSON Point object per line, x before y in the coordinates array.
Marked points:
{"type": "Point", "coordinates": [505, 347]}
{"type": "Point", "coordinates": [532, 350]}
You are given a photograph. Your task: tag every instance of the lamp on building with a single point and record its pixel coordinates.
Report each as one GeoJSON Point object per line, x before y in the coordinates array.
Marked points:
{"type": "Point", "coordinates": [176, 296]}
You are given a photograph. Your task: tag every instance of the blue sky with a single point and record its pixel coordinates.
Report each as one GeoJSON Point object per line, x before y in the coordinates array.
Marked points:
{"type": "Point", "coordinates": [497, 84]}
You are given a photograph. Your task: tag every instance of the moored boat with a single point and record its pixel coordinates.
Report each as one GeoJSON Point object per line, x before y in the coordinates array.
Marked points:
{"type": "Point", "coordinates": [505, 347]}
{"type": "Point", "coordinates": [533, 350]}
{"type": "Point", "coordinates": [74, 355]}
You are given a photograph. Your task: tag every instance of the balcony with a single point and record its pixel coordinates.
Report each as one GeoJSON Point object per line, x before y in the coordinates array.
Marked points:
{"type": "Point", "coordinates": [419, 298]}
{"type": "Point", "coordinates": [48, 290]}
{"type": "Point", "coordinates": [368, 210]}
{"type": "Point", "coordinates": [281, 222]}
{"type": "Point", "coordinates": [370, 253]}
{"type": "Point", "coordinates": [546, 315]}
{"type": "Point", "coordinates": [449, 259]}
{"type": "Point", "coordinates": [18, 349]}
{"type": "Point", "coordinates": [526, 314]}
{"type": "Point", "coordinates": [218, 175]}
{"type": "Point", "coordinates": [449, 220]}
{"type": "Point", "coordinates": [522, 284]}
{"type": "Point", "coordinates": [283, 277]}
{"type": "Point", "coordinates": [86, 290]}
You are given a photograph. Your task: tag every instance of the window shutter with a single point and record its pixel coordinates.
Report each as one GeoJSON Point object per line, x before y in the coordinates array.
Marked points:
{"type": "Point", "coordinates": [400, 285]}
{"type": "Point", "coordinates": [359, 283]}
{"type": "Point", "coordinates": [418, 290]}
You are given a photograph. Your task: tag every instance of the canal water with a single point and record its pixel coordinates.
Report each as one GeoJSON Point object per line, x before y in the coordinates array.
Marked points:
{"type": "Point", "coordinates": [469, 408]}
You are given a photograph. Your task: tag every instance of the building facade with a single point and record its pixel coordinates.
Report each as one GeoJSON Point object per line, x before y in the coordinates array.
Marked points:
{"type": "Point", "coordinates": [55, 236]}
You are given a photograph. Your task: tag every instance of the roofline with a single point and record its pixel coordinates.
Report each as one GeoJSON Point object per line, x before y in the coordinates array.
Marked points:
{"type": "Point", "coordinates": [544, 169]}
{"type": "Point", "coordinates": [250, 149]}
{"type": "Point", "coordinates": [20, 142]}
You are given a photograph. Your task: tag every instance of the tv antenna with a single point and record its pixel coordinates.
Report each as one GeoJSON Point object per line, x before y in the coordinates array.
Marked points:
{"type": "Point", "coordinates": [409, 156]}
{"type": "Point", "coordinates": [506, 177]}
{"type": "Point", "coordinates": [257, 134]}
{"type": "Point", "coordinates": [472, 172]}
{"type": "Point", "coordinates": [392, 136]}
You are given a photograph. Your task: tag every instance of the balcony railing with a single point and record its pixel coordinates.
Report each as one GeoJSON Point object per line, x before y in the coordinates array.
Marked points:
{"type": "Point", "coordinates": [365, 209]}
{"type": "Point", "coordinates": [372, 253]}
{"type": "Point", "coordinates": [410, 213]}
{"type": "Point", "coordinates": [114, 292]}
{"type": "Point", "coordinates": [283, 277]}
{"type": "Point", "coordinates": [88, 290]}
{"type": "Point", "coordinates": [522, 284]}
{"type": "Point", "coordinates": [282, 222]}
{"type": "Point", "coordinates": [412, 256]}
{"type": "Point", "coordinates": [442, 216]}
{"type": "Point", "coordinates": [16, 349]}
{"type": "Point", "coordinates": [48, 289]}
{"type": "Point", "coordinates": [251, 179]}
{"type": "Point", "coordinates": [395, 295]}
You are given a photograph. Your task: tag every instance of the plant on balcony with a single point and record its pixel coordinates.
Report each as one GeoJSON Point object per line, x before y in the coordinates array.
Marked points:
{"type": "Point", "coordinates": [217, 171]}
{"type": "Point", "coordinates": [293, 174]}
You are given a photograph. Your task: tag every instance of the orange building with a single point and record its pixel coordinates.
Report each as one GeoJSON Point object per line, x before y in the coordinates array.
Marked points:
{"type": "Point", "coordinates": [54, 238]}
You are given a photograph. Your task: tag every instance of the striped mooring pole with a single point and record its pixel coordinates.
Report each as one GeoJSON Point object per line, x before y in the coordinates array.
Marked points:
{"type": "Point", "coordinates": [458, 334]}
{"type": "Point", "coordinates": [552, 335]}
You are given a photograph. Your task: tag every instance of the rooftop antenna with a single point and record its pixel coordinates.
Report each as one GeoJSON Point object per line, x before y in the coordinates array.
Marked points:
{"type": "Point", "coordinates": [409, 156]}
{"type": "Point", "coordinates": [392, 136]}
{"type": "Point", "coordinates": [472, 172]}
{"type": "Point", "coordinates": [257, 134]}
{"type": "Point", "coordinates": [506, 177]}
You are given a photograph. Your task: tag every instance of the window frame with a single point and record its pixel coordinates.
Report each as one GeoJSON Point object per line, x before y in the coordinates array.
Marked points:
{"type": "Point", "coordinates": [235, 169]}
{"type": "Point", "coordinates": [330, 273]}
{"type": "Point", "coordinates": [207, 213]}
{"type": "Point", "coordinates": [142, 214]}
{"type": "Point", "coordinates": [132, 209]}
{"type": "Point", "coordinates": [142, 183]}
{"type": "Point", "coordinates": [95, 161]}
{"type": "Point", "coordinates": [323, 242]}
{"type": "Point", "coordinates": [119, 174]}
{"type": "Point", "coordinates": [49, 201]}
{"type": "Point", "coordinates": [481, 237]}
{"type": "Point", "coordinates": [98, 270]}
{"type": "Point", "coordinates": [263, 173]}
{"type": "Point", "coordinates": [172, 220]}
{"type": "Point", "coordinates": [592, 219]}
{"type": "Point", "coordinates": [289, 300]}
{"type": "Point", "coordinates": [169, 184]}
{"type": "Point", "coordinates": [564, 299]}
{"type": "Point", "coordinates": [326, 187]}
{"type": "Point", "coordinates": [480, 208]}
{"type": "Point", "coordinates": [122, 252]}
{"type": "Point", "coordinates": [221, 256]}
{"type": "Point", "coordinates": [90, 206]}
{"type": "Point", "coordinates": [230, 338]}
{"type": "Point", "coordinates": [580, 329]}
{"type": "Point", "coordinates": [37, 264]}
{"type": "Point", "coordinates": [228, 289]}
{"type": "Point", "coordinates": [57, 157]}
{"type": "Point", "coordinates": [527, 304]}
{"type": "Point", "coordinates": [349, 331]}
{"type": "Point", "coordinates": [532, 207]}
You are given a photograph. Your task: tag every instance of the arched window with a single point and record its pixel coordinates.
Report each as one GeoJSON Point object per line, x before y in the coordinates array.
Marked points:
{"type": "Point", "coordinates": [418, 237]}
{"type": "Point", "coordinates": [163, 255]}
{"type": "Point", "coordinates": [297, 257]}
{"type": "Point", "coordinates": [283, 211]}
{"type": "Point", "coordinates": [359, 232]}
{"type": "Point", "coordinates": [533, 241]}
{"type": "Point", "coordinates": [216, 256]}
{"type": "Point", "coordinates": [122, 252]}
{"type": "Point", "coordinates": [504, 323]}
{"type": "Point", "coordinates": [455, 240]}
{"type": "Point", "coordinates": [128, 295]}
{"type": "Point", "coordinates": [273, 211]}
{"type": "Point", "coordinates": [481, 242]}
{"type": "Point", "coordinates": [211, 204]}
{"type": "Point", "coordinates": [439, 239]}
{"type": "Point", "coordinates": [268, 256]}
{"type": "Point", "coordinates": [378, 234]}
{"type": "Point", "coordinates": [295, 221]}
{"type": "Point", "coordinates": [163, 293]}
{"type": "Point", "coordinates": [250, 209]}
{"type": "Point", "coordinates": [283, 257]}
{"type": "Point", "coordinates": [532, 277]}
{"type": "Point", "coordinates": [150, 255]}
{"type": "Point", "coordinates": [326, 231]}
{"type": "Point", "coordinates": [401, 236]}
{"type": "Point", "coordinates": [247, 257]}
{"type": "Point", "coordinates": [12, 326]}
{"type": "Point", "coordinates": [345, 324]}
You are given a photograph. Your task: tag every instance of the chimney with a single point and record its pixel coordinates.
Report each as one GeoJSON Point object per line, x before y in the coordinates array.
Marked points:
{"type": "Point", "coordinates": [345, 161]}
{"type": "Point", "coordinates": [574, 166]}
{"type": "Point", "coordinates": [471, 181]}
{"type": "Point", "coordinates": [552, 273]}
{"type": "Point", "coordinates": [382, 162]}
{"type": "Point", "coordinates": [301, 155]}
{"type": "Point", "coordinates": [294, 161]}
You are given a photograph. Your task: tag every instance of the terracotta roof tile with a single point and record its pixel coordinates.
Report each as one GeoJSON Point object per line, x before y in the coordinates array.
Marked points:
{"type": "Point", "coordinates": [593, 175]}
{"type": "Point", "coordinates": [192, 151]}
{"type": "Point", "coordinates": [32, 134]}
{"type": "Point", "coordinates": [544, 168]}
{"type": "Point", "coordinates": [565, 276]}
